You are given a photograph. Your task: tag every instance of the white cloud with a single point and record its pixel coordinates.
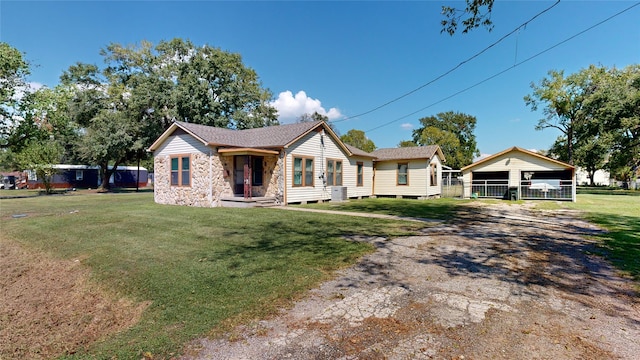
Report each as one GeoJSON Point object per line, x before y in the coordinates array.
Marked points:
{"type": "Point", "coordinates": [406, 126]}
{"type": "Point", "coordinates": [291, 107]}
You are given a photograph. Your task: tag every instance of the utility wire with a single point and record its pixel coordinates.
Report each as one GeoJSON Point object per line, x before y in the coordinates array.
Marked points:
{"type": "Point", "coordinates": [450, 70]}
{"type": "Point", "coordinates": [507, 69]}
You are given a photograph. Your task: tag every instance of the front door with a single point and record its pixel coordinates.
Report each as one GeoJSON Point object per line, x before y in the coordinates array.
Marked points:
{"type": "Point", "coordinates": [242, 176]}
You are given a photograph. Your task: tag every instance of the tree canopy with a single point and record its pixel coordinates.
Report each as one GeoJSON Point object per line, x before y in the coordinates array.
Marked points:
{"type": "Point", "coordinates": [407, 143]}
{"type": "Point", "coordinates": [453, 132]}
{"type": "Point", "coordinates": [108, 116]}
{"type": "Point", "coordinates": [358, 139]}
{"type": "Point", "coordinates": [597, 112]}
{"type": "Point", "coordinates": [476, 13]}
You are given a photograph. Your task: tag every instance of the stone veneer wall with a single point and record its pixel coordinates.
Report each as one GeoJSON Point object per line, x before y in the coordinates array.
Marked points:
{"type": "Point", "coordinates": [206, 179]}
{"type": "Point", "coordinates": [273, 184]}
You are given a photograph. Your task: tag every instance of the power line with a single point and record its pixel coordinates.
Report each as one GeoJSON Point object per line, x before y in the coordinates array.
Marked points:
{"type": "Point", "coordinates": [507, 69]}
{"type": "Point", "coordinates": [450, 70]}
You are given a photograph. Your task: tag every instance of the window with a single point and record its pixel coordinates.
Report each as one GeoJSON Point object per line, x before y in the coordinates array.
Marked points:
{"type": "Point", "coordinates": [334, 172]}
{"type": "Point", "coordinates": [257, 170]}
{"type": "Point", "coordinates": [403, 174]}
{"type": "Point", "coordinates": [434, 175]}
{"type": "Point", "coordinates": [79, 175]}
{"type": "Point", "coordinates": [302, 171]}
{"type": "Point", "coordinates": [181, 170]}
{"type": "Point", "coordinates": [360, 176]}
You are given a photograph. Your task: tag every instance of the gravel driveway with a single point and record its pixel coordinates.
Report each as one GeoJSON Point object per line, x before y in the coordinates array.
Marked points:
{"type": "Point", "coordinates": [501, 281]}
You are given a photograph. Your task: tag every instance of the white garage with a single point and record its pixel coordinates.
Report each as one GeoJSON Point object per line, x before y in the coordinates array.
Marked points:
{"type": "Point", "coordinates": [517, 173]}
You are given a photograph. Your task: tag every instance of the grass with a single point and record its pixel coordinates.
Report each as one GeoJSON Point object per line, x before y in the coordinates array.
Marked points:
{"type": "Point", "coordinates": [442, 209]}
{"type": "Point", "coordinates": [620, 215]}
{"type": "Point", "coordinates": [606, 191]}
{"type": "Point", "coordinates": [201, 269]}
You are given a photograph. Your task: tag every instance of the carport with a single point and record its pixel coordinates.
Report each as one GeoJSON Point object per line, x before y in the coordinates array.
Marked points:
{"type": "Point", "coordinates": [516, 173]}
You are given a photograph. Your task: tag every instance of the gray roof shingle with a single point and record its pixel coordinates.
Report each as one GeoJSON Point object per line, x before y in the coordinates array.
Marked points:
{"type": "Point", "coordinates": [357, 152]}
{"type": "Point", "coordinates": [265, 137]}
{"type": "Point", "coordinates": [405, 153]}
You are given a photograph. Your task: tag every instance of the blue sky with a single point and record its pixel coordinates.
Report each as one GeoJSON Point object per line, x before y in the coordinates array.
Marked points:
{"type": "Point", "coordinates": [346, 58]}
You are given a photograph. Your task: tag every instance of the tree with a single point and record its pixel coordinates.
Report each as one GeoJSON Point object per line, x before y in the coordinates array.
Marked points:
{"type": "Point", "coordinates": [562, 99]}
{"type": "Point", "coordinates": [478, 14]}
{"type": "Point", "coordinates": [615, 103]}
{"type": "Point", "coordinates": [316, 116]}
{"type": "Point", "coordinates": [597, 112]}
{"type": "Point", "coordinates": [213, 87]}
{"type": "Point", "coordinates": [407, 143]}
{"type": "Point", "coordinates": [40, 158]}
{"type": "Point", "coordinates": [453, 132]}
{"type": "Point", "coordinates": [14, 70]}
{"type": "Point", "coordinates": [144, 88]}
{"type": "Point", "coordinates": [358, 139]}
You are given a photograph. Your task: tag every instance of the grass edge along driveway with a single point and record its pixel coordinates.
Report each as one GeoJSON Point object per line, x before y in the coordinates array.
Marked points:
{"type": "Point", "coordinates": [199, 268]}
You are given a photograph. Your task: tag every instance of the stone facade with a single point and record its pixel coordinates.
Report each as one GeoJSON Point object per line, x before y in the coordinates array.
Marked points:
{"type": "Point", "coordinates": [212, 179]}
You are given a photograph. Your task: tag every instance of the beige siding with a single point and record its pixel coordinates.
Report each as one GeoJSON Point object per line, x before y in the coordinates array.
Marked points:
{"type": "Point", "coordinates": [366, 189]}
{"type": "Point", "coordinates": [515, 162]}
{"type": "Point", "coordinates": [181, 144]}
{"type": "Point", "coordinates": [311, 146]}
{"type": "Point", "coordinates": [386, 178]}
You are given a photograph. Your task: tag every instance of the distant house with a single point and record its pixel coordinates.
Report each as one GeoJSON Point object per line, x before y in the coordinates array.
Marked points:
{"type": "Point", "coordinates": [85, 177]}
{"type": "Point", "coordinates": [520, 174]}
{"type": "Point", "coordinates": [600, 177]}
{"type": "Point", "coordinates": [408, 171]}
{"type": "Point", "coordinates": [205, 166]}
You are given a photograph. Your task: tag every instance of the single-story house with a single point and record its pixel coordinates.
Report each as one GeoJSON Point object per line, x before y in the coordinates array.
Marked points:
{"type": "Point", "coordinates": [205, 166]}
{"type": "Point", "coordinates": [84, 176]}
{"type": "Point", "coordinates": [516, 173]}
{"type": "Point", "coordinates": [408, 171]}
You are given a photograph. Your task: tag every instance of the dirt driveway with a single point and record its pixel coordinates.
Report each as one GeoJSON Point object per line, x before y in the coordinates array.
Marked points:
{"type": "Point", "coordinates": [502, 281]}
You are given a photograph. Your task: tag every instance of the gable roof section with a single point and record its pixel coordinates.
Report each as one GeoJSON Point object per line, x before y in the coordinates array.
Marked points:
{"type": "Point", "coordinates": [279, 136]}
{"type": "Point", "coordinates": [357, 152]}
{"type": "Point", "coordinates": [515, 148]}
{"type": "Point", "coordinates": [408, 153]}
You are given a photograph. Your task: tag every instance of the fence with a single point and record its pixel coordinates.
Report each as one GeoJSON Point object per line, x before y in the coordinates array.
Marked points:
{"type": "Point", "coordinates": [490, 188]}
{"type": "Point", "coordinates": [546, 189]}
{"type": "Point", "coordinates": [452, 188]}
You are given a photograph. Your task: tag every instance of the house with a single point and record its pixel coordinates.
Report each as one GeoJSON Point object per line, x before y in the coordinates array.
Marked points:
{"type": "Point", "coordinates": [516, 173]}
{"type": "Point", "coordinates": [600, 177]}
{"type": "Point", "coordinates": [84, 177]}
{"type": "Point", "coordinates": [205, 166]}
{"type": "Point", "coordinates": [408, 171]}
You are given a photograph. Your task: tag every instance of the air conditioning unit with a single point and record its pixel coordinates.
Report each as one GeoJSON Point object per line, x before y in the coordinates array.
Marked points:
{"type": "Point", "coordinates": [338, 193]}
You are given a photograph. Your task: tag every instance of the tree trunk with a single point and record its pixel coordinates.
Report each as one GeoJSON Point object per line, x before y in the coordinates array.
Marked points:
{"type": "Point", "coordinates": [106, 173]}
{"type": "Point", "coordinates": [592, 173]}
{"type": "Point", "coordinates": [570, 145]}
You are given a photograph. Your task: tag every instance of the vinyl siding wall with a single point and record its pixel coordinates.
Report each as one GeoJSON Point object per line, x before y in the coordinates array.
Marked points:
{"type": "Point", "coordinates": [386, 178]}
{"type": "Point", "coordinates": [310, 146]}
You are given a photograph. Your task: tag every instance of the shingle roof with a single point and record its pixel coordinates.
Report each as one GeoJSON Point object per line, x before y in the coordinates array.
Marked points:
{"type": "Point", "coordinates": [266, 137]}
{"type": "Point", "coordinates": [357, 152]}
{"type": "Point", "coordinates": [515, 148]}
{"type": "Point", "coordinates": [406, 153]}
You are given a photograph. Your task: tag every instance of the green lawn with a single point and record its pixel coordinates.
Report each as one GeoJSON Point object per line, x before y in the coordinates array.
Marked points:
{"type": "Point", "coordinates": [620, 215]}
{"type": "Point", "coordinates": [200, 268]}
{"type": "Point", "coordinates": [443, 209]}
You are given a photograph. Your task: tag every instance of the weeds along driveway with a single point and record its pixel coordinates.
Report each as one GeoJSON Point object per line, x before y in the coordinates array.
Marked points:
{"type": "Point", "coordinates": [500, 281]}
